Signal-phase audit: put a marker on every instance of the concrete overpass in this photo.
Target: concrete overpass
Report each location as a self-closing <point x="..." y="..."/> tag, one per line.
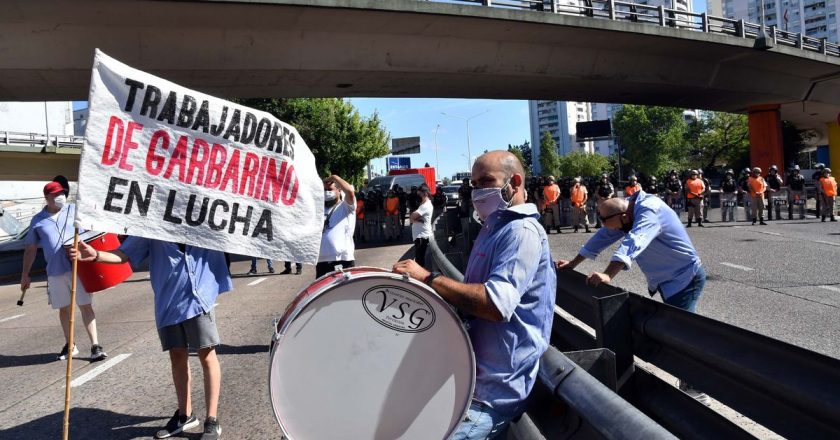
<point x="407" y="48"/>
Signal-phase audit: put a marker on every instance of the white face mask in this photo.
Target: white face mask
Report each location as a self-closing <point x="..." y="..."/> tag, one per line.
<point x="486" y="201"/>
<point x="329" y="196"/>
<point x="60" y="201"/>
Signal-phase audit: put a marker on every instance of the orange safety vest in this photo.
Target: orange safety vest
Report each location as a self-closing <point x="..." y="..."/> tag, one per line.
<point x="694" y="186"/>
<point x="829" y="186"/>
<point x="392" y="206"/>
<point x="551" y="193"/>
<point x="578" y="195"/>
<point x="629" y="190"/>
<point x="757" y="186"/>
<point x="360" y="209"/>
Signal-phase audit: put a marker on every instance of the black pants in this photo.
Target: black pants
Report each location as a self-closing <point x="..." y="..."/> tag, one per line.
<point x="326" y="267"/>
<point x="420" y="246"/>
<point x="288" y="265"/>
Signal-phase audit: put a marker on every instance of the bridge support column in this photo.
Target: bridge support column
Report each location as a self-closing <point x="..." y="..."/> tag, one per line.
<point x="765" y="124"/>
<point x="833" y="147"/>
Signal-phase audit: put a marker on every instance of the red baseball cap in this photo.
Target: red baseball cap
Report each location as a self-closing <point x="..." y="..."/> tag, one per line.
<point x="53" y="188"/>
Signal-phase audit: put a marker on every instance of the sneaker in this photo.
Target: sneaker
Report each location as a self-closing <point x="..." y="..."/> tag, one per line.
<point x="63" y="355"/>
<point x="695" y="394"/>
<point x="212" y="430"/>
<point x="298" y="271"/>
<point x="270" y="270"/>
<point x="253" y="271"/>
<point x="176" y="425"/>
<point x="97" y="353"/>
<point x="286" y="271"/>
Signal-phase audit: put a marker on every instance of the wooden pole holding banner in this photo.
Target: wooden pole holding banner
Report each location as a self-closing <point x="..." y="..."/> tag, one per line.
<point x="70" y="342"/>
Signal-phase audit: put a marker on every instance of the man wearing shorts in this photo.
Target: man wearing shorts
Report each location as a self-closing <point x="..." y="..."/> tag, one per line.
<point x="49" y="229"/>
<point x="186" y="281"/>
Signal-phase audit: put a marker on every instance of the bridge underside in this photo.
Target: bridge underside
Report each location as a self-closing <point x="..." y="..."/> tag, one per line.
<point x="287" y="48"/>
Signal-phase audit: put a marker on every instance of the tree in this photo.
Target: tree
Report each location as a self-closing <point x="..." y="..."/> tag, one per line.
<point x="794" y="141"/>
<point x="342" y="141"/>
<point x="524" y="155"/>
<point x="719" y="139"/>
<point x="651" y="139"/>
<point x="549" y="160"/>
<point x="579" y="163"/>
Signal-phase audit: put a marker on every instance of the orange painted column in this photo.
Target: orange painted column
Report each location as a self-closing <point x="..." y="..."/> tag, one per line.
<point x="765" y="124"/>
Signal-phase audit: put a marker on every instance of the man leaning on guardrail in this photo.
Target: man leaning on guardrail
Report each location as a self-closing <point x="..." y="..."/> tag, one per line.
<point x="652" y="235"/>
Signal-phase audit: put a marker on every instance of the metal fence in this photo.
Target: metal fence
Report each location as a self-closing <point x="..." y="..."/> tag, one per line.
<point x="666" y="17"/>
<point x="38" y="140"/>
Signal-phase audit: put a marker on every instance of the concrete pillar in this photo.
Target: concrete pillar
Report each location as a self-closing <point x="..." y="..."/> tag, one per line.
<point x="765" y="124"/>
<point x="834" y="147"/>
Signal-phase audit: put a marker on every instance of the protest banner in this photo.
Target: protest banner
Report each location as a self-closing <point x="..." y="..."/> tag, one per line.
<point x="165" y="162"/>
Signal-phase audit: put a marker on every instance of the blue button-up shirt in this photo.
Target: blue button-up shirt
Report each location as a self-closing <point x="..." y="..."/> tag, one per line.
<point x="186" y="284"/>
<point x="658" y="242"/>
<point x="512" y="259"/>
<point x="50" y="231"/>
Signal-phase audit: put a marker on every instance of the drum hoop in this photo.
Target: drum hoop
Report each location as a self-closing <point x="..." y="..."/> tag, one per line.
<point x="290" y="315"/>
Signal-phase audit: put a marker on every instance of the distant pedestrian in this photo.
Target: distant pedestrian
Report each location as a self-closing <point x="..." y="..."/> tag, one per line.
<point x="818" y="169"/>
<point x="757" y="189"/>
<point x="632" y="186"/>
<point x="728" y="196"/>
<point x="796" y="193"/>
<point x="421" y="225"/>
<point x="828" y="189"/>
<point x="465" y="211"/>
<point x="551" y="194"/>
<point x="774" y="187"/>
<point x="746" y="193"/>
<point x="707" y="195"/>
<point x="253" y="270"/>
<point x="605" y="191"/>
<point x="579" y="197"/>
<point x="673" y="192"/>
<point x="392" y="216"/>
<point x="287" y="268"/>
<point x="337" y="246"/>
<point x="694" y="193"/>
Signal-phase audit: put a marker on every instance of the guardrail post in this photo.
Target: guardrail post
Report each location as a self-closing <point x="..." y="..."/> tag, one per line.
<point x="487" y="2"/>
<point x="823" y="48"/>
<point x="704" y="22"/>
<point x="553" y="6"/>
<point x="799" y="40"/>
<point x="741" y="29"/>
<point x="611" y="6"/>
<point x="613" y="330"/>
<point x="773" y="33"/>
<point x="661" y="11"/>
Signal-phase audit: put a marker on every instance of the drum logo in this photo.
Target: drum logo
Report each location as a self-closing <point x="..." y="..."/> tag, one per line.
<point x="398" y="309"/>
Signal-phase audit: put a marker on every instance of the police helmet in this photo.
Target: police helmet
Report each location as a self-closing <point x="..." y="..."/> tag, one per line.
<point x="826" y="171"/>
<point x="746" y="171"/>
<point x="756" y="170"/>
<point x="819" y="166"/>
<point x="700" y="171"/>
<point x="653" y="178"/>
<point x="692" y="173"/>
<point x="730" y="171"/>
<point x="551" y="178"/>
<point x="774" y="168"/>
<point x="632" y="178"/>
<point x="796" y="168"/>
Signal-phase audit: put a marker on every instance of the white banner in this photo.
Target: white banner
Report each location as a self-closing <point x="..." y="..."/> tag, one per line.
<point x="165" y="162"/>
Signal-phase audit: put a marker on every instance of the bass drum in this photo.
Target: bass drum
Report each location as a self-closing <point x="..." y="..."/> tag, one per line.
<point x="370" y="354"/>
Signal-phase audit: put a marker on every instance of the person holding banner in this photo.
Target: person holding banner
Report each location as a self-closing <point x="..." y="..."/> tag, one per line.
<point x="337" y="247"/>
<point x="49" y="229"/>
<point x="508" y="290"/>
<point x="186" y="281"/>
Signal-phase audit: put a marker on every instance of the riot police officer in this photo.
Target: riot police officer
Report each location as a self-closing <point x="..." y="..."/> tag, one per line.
<point x="707" y="194"/>
<point x="796" y="193"/>
<point x="605" y="191"/>
<point x="652" y="186"/>
<point x="728" y="197"/>
<point x="744" y="189"/>
<point x="816" y="179"/>
<point x="775" y="199"/>
<point x="565" y="201"/>
<point x="673" y="192"/>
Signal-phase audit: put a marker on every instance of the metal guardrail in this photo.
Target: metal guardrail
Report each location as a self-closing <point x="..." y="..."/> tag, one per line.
<point x="666" y="17"/>
<point x="38" y="140"/>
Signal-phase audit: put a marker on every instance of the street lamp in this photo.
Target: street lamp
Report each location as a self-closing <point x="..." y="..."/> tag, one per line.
<point x="437" y="161"/>
<point x="469" y="151"/>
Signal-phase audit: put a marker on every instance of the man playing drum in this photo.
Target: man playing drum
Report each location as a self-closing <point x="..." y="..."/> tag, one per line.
<point x="508" y="289"/>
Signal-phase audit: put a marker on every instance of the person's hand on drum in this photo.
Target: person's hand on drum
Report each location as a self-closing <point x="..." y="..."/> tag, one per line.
<point x="86" y="252"/>
<point x="411" y="268"/>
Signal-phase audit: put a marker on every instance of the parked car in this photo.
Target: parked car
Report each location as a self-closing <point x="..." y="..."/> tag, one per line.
<point x="451" y="192"/>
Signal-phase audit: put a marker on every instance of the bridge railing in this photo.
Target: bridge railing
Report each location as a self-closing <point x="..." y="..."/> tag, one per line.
<point x="39" y="140"/>
<point x="665" y="17"/>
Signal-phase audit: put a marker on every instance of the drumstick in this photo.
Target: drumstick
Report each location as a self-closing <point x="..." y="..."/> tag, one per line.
<point x="22" y="294"/>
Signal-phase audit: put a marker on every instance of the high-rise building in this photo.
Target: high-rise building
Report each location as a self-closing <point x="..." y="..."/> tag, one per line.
<point x="559" y="118"/>
<point x="813" y="18"/>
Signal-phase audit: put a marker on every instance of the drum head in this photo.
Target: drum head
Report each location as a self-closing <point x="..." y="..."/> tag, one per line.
<point x="371" y="357"/>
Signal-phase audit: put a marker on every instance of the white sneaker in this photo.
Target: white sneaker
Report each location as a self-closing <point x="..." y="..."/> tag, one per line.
<point x="63" y="355"/>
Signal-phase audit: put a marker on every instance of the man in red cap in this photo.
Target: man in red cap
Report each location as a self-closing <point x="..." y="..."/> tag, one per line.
<point x="49" y="229"/>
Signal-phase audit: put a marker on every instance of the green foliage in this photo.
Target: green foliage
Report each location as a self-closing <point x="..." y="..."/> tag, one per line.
<point x="549" y="160"/>
<point x="582" y="164"/>
<point x="652" y="139"/>
<point x="342" y="141"/>
<point x="523" y="152"/>
<point x="447" y="181"/>
<point x="720" y="139"/>
<point x="518" y="153"/>
<point x="794" y="141"/>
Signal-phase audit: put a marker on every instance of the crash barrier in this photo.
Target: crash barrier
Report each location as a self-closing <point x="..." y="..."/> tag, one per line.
<point x="787" y="389"/>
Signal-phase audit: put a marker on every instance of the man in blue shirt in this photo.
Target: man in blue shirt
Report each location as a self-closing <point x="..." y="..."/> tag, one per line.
<point x="186" y="281"/>
<point x="652" y="235"/>
<point x="49" y="229"/>
<point x="509" y="289"/>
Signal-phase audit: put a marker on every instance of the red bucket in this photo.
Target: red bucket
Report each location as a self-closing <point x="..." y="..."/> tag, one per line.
<point x="97" y="277"/>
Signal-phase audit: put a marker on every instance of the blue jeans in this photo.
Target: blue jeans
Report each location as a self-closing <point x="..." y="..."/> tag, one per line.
<point x="686" y="299"/>
<point x="254" y="263"/>
<point x="482" y="422"/>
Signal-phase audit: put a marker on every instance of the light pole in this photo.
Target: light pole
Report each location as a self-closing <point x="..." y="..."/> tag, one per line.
<point x="437" y="161"/>
<point x="469" y="151"/>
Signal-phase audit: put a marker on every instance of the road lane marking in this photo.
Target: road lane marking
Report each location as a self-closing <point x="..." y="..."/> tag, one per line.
<point x="769" y="233"/>
<point x="257" y="281"/>
<point x="81" y="380"/>
<point x="12" y="317"/>
<point x="827" y="242"/>
<point x="738" y="266"/>
<point x="831" y="288"/>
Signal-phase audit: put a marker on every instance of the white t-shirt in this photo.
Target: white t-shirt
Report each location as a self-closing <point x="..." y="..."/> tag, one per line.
<point x="424" y="229"/>
<point x="337" y="238"/>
